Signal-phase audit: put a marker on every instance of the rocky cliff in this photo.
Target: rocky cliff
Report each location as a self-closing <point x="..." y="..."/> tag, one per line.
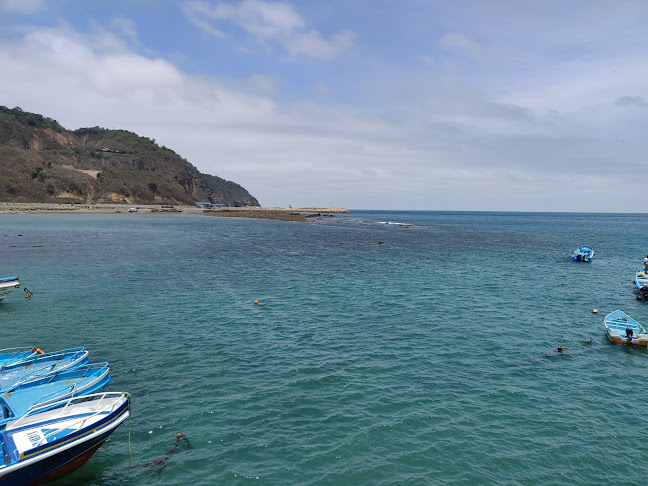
<point x="40" y="161"/>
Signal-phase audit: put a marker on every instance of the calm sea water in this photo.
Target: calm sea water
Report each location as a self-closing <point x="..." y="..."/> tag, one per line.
<point x="428" y="358"/>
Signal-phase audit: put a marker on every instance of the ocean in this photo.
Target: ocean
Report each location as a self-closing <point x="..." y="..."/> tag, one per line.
<point x="378" y="354"/>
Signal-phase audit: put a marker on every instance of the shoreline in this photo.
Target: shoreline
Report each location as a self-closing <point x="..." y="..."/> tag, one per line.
<point x="300" y="214"/>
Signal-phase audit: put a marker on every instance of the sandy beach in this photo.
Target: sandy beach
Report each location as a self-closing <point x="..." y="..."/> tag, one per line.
<point x="301" y="214"/>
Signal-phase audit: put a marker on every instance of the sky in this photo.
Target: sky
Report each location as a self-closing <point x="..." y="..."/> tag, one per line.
<point x="365" y="104"/>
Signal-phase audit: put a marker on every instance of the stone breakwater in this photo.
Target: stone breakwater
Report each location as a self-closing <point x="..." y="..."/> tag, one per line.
<point x="301" y="214"/>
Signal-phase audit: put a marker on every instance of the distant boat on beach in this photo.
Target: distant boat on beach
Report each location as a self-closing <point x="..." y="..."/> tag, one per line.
<point x="583" y="253"/>
<point x="132" y="210"/>
<point x="8" y="285"/>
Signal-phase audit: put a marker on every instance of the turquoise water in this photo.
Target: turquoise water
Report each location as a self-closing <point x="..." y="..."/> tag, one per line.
<point x="427" y="359"/>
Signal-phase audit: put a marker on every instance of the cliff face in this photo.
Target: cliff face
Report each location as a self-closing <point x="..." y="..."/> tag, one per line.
<point x="40" y="161"/>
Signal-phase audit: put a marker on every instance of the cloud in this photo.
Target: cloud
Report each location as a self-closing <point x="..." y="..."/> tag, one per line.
<point x="427" y="60"/>
<point x="261" y="19"/>
<point x="254" y="84"/>
<point x="636" y="101"/>
<point x="461" y="43"/>
<point x="439" y="142"/>
<point x="312" y="44"/>
<point x="22" y="6"/>
<point x="321" y="89"/>
<point x="126" y="27"/>
<point x="197" y="12"/>
<point x="268" y="21"/>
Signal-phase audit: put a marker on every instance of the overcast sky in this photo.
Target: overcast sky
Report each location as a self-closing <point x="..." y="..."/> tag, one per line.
<point x="366" y="104"/>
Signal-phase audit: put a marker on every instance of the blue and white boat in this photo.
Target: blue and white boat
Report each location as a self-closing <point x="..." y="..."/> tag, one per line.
<point x="8" y="285"/>
<point x="46" y="444"/>
<point x="13" y="354"/>
<point x="623" y="329"/>
<point x="35" y="365"/>
<point x="46" y="390"/>
<point x="641" y="281"/>
<point x="584" y="253"/>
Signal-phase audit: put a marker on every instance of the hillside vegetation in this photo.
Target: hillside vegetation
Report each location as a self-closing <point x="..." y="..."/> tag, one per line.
<point x="40" y="161"/>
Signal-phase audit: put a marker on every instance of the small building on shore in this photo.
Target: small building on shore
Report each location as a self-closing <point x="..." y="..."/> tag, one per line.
<point x="211" y="205"/>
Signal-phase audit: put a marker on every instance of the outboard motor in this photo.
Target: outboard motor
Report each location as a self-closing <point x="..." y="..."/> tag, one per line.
<point x="629" y="333"/>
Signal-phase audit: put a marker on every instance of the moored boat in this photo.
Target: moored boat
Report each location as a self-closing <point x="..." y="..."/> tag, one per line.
<point x="584" y="253"/>
<point x="46" y="390"/>
<point x="39" y="364"/>
<point x="641" y="281"/>
<point x="44" y="445"/>
<point x="12" y="354"/>
<point x="623" y="329"/>
<point x="8" y="285"/>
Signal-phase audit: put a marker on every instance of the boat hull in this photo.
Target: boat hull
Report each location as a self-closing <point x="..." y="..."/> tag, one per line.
<point x="641" y="342"/>
<point x="8" y="285"/>
<point x="55" y="466"/>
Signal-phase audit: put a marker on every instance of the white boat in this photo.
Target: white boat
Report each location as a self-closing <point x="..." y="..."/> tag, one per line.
<point x="8" y="285"/>
<point x="132" y="210"/>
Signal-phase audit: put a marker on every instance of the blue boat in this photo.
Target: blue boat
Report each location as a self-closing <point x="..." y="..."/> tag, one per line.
<point x="46" y="390"/>
<point x="584" y="253"/>
<point x="641" y="280"/>
<point x="34" y="365"/>
<point x="14" y="354"/>
<point x="623" y="329"/>
<point x="44" y="445"/>
<point x="8" y="285"/>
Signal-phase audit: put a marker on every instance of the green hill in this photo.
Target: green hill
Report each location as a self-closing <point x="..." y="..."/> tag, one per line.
<point x="40" y="161"/>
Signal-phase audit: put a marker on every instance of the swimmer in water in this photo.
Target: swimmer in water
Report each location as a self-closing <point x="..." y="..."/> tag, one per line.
<point x="159" y="463"/>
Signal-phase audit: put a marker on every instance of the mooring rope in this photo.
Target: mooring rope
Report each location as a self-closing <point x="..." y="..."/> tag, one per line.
<point x="130" y="452"/>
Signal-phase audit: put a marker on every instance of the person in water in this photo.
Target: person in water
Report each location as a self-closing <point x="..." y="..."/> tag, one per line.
<point x="159" y="463"/>
<point x="560" y="350"/>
